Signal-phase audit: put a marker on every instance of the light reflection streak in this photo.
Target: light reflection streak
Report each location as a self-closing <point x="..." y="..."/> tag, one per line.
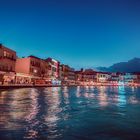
<point x="78" y="89"/>
<point x="133" y="89"/>
<point x="87" y="88"/>
<point x="66" y="95"/>
<point x="92" y="88"/>
<point x="102" y="97"/>
<point x="31" y="131"/>
<point x="3" y="95"/>
<point x="4" y="112"/>
<point x="89" y="92"/>
<point x="65" y="89"/>
<point x="113" y="96"/>
<point x="121" y="96"/>
<point x="51" y="118"/>
<point x="33" y="105"/>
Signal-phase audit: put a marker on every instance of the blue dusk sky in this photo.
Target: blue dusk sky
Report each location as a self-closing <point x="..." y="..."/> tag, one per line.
<point x="80" y="33"/>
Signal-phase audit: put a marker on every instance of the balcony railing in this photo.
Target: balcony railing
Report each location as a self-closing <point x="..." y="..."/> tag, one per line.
<point x="6" y="70"/>
<point x="10" y="58"/>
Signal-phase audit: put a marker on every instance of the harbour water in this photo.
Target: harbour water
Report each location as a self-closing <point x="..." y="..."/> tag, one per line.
<point x="70" y="113"/>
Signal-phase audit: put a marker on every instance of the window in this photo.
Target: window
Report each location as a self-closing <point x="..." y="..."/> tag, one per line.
<point x="11" y="68"/>
<point x="5" y="53"/>
<point x="12" y="56"/>
<point x="54" y="69"/>
<point x="31" y="70"/>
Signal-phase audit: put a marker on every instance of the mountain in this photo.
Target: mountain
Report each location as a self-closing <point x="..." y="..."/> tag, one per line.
<point x="132" y="65"/>
<point x="103" y="69"/>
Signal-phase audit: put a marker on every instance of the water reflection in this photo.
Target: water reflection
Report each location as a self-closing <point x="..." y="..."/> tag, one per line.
<point x="65" y="93"/>
<point x="53" y="110"/>
<point x="13" y="109"/>
<point x="102" y="97"/>
<point x="78" y="92"/>
<point x="56" y="113"/>
<point x="31" y="120"/>
<point x="34" y="106"/>
<point x="121" y="96"/>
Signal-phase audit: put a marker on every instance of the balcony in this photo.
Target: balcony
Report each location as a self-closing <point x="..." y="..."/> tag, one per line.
<point x="6" y="57"/>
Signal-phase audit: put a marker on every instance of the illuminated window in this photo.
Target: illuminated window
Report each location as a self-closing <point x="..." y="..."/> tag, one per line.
<point x="5" y="53"/>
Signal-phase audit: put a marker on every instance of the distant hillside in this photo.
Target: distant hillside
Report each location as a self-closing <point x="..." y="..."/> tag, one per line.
<point x="103" y="69"/>
<point x="132" y="65"/>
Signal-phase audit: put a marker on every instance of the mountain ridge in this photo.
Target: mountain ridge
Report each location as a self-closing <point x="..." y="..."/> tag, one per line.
<point x="132" y="65"/>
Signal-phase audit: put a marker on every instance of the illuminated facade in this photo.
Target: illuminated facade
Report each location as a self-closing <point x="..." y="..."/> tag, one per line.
<point x="68" y="75"/>
<point x="29" y="69"/>
<point x="89" y="75"/>
<point x="115" y="78"/>
<point x="103" y="77"/>
<point x="65" y="71"/>
<point x="128" y="77"/>
<point x="86" y="77"/>
<point x="53" y="70"/>
<point x="137" y="76"/>
<point x="79" y="76"/>
<point x="32" y="70"/>
<point x="61" y="73"/>
<point x="71" y="76"/>
<point x="7" y="65"/>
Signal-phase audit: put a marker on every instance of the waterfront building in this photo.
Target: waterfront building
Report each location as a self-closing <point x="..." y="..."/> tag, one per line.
<point x="68" y="74"/>
<point x="7" y="65"/>
<point x="30" y="70"/>
<point x="103" y="77"/>
<point x="128" y="78"/>
<point x="71" y="76"/>
<point x="89" y="76"/>
<point x="61" y="72"/>
<point x="137" y="76"/>
<point x="44" y="71"/>
<point x="79" y="77"/>
<point x="115" y="77"/>
<point x="65" y="71"/>
<point x="53" y="70"/>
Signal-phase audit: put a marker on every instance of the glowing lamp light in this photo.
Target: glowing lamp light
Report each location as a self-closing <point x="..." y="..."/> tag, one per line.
<point x="35" y="71"/>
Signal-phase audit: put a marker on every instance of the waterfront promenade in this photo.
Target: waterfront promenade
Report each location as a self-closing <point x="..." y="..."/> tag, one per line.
<point x="32" y="71"/>
<point x="50" y="85"/>
<point x="25" y="86"/>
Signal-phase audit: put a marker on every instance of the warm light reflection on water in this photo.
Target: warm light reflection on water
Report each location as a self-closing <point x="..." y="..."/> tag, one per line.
<point x="70" y="113"/>
<point x="51" y="118"/>
<point x="121" y="96"/>
<point x="102" y="97"/>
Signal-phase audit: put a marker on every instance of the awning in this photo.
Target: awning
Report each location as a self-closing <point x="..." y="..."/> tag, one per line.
<point x="9" y="74"/>
<point x="2" y="72"/>
<point x="23" y="75"/>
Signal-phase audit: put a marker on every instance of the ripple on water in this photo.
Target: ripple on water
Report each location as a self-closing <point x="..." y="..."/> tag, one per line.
<point x="70" y="113"/>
